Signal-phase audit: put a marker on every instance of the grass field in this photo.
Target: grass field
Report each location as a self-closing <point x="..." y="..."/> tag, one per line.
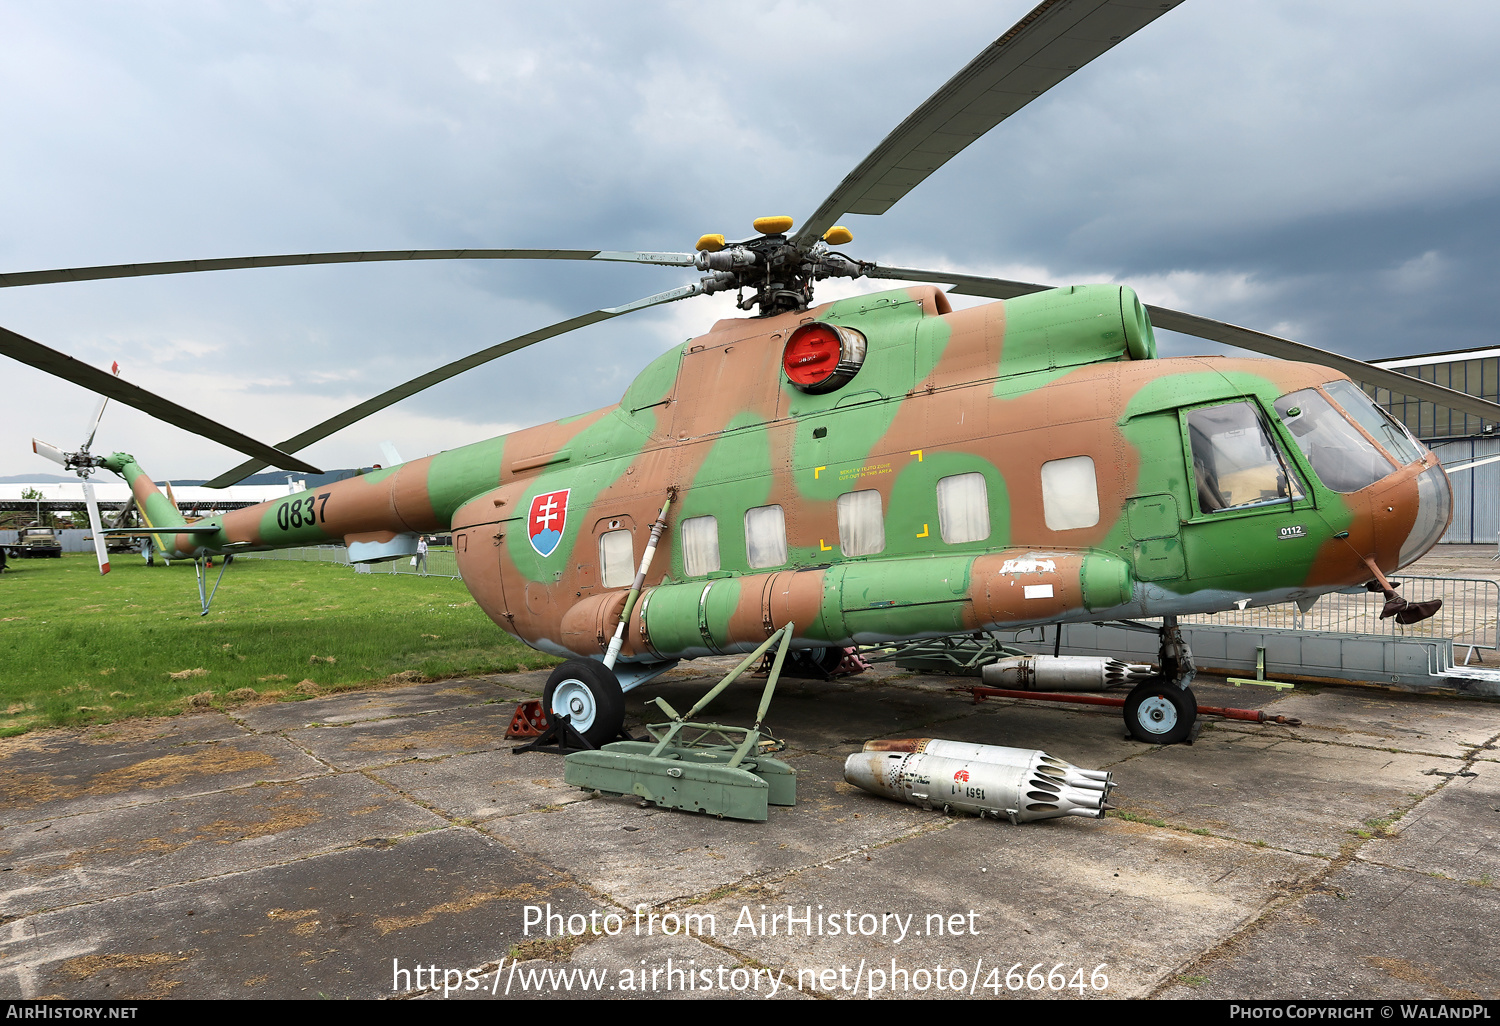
<point x="79" y="648"/>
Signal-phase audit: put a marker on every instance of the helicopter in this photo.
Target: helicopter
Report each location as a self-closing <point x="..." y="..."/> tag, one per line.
<point x="877" y="468"/>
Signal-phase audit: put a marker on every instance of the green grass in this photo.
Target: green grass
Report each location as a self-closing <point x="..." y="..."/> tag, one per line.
<point x="78" y="648"/>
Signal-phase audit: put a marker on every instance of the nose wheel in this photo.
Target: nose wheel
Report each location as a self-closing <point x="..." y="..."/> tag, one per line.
<point x="1162" y="711"/>
<point x="1159" y="712"/>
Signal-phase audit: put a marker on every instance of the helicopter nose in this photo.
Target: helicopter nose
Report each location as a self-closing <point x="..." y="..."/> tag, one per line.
<point x="1434" y="510"/>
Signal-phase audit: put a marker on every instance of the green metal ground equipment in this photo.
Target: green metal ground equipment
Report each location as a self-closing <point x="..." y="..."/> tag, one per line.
<point x="704" y="767"/>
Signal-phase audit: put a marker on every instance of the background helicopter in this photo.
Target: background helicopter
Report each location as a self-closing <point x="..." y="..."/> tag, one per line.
<point x="892" y="184"/>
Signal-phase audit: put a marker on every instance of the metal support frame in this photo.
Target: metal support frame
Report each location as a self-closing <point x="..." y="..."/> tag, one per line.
<point x="207" y="597"/>
<point x="665" y="734"/>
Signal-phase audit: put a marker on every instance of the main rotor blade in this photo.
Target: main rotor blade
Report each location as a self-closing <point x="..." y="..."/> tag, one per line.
<point x="16" y="278"/>
<point x="34" y="354"/>
<point x="1229" y="334"/>
<point x="443" y="373"/>
<point x="1286" y="349"/>
<point x="1056" y="39"/>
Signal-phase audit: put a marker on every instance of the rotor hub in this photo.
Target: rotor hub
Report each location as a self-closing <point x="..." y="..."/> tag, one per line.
<point x="778" y="272"/>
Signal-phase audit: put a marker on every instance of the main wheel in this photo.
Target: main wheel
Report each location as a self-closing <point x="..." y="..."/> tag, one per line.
<point x="589" y="694"/>
<point x="1160" y="713"/>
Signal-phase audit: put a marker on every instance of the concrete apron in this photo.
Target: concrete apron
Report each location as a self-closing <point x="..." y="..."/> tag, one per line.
<point x="336" y="847"/>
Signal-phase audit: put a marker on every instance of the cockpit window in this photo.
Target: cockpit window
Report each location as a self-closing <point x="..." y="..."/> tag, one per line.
<point x="1234" y="464"/>
<point x="1382" y="426"/>
<point x="1340" y="455"/>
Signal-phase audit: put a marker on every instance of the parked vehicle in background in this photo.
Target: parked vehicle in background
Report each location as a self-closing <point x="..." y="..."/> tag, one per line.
<point x="35" y="543"/>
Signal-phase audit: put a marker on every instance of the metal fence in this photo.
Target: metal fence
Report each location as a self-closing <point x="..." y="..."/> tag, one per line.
<point x="1470" y="615"/>
<point x="440" y="562"/>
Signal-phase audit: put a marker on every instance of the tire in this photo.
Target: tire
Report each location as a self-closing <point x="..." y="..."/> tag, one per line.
<point x="1160" y="713"/>
<point x="588" y="693"/>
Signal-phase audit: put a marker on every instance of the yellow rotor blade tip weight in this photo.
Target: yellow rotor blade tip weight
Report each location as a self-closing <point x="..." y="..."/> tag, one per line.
<point x="838" y="235"/>
<point x="710" y="244"/>
<point x="772" y="225"/>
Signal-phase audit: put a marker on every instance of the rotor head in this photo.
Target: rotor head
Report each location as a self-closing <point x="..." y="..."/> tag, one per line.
<point x="779" y="270"/>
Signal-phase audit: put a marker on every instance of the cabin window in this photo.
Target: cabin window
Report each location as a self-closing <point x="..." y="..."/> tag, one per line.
<point x="1234" y="463"/>
<point x="1070" y="493"/>
<point x="963" y="508"/>
<point x="765" y="536"/>
<point x="700" y="545"/>
<point x="616" y="559"/>
<point x="861" y="524"/>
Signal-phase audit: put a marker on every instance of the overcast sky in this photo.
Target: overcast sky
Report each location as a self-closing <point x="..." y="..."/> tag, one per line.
<point x="1329" y="172"/>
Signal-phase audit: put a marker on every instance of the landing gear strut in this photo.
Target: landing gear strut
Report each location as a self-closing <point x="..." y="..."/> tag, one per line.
<point x="1162" y="711"/>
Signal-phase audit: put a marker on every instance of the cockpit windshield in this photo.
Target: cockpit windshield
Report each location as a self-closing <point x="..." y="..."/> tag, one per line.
<point x="1384" y="428"/>
<point x="1343" y="458"/>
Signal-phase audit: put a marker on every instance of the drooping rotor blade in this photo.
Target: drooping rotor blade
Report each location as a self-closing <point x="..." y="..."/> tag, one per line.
<point x="101" y="552"/>
<point x="962" y="284"/>
<point x="1459" y="468"/>
<point x="1286" y="349"/>
<point x="1056" y="39"/>
<point x="443" y="373"/>
<point x="16" y="278"/>
<point x="1229" y="334"/>
<point x="34" y="354"/>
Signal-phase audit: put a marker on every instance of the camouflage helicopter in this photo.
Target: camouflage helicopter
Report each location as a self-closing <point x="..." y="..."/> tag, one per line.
<point x="874" y="469"/>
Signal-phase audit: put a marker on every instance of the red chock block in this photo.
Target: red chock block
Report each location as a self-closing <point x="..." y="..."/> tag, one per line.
<point x="530" y="720"/>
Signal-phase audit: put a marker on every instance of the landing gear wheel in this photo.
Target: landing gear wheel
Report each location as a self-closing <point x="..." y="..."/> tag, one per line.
<point x="1160" y="713"/>
<point x="589" y="694"/>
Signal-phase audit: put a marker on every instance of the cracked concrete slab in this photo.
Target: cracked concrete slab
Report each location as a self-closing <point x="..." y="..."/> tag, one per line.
<point x="97" y="780"/>
<point x="1229" y="782"/>
<point x="96" y="856"/>
<point x="39" y="749"/>
<point x="359" y="706"/>
<point x="349" y="747"/>
<point x="627" y="966"/>
<point x="1365" y="931"/>
<point x="651" y="855"/>
<point x="311" y="882"/>
<point x="1454" y="832"/>
<point x="1451" y="727"/>
<point x="484" y="785"/>
<point x="328" y="926"/>
<point x="983" y="896"/>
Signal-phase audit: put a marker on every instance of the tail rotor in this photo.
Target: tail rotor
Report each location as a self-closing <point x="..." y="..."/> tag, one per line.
<point x="83" y="464"/>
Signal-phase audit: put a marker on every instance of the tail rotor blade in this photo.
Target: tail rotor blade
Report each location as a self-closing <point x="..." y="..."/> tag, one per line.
<point x="98" y="416"/>
<point x="99" y="413"/>
<point x="52" y="452"/>
<point x="100" y="550"/>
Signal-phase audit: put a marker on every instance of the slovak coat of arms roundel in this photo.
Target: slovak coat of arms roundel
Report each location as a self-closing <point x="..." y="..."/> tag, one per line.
<point x="545" y="522"/>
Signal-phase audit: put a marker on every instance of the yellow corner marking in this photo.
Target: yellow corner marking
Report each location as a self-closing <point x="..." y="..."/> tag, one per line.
<point x="817" y="471"/>
<point x="824" y="548"/>
<point x="918" y="454"/>
<point x="924" y="532"/>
